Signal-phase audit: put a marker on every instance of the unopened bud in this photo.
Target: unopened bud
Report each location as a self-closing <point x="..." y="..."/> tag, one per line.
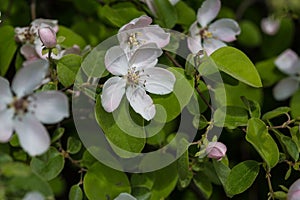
<point x="48" y="37"/>
<point x="216" y="150"/>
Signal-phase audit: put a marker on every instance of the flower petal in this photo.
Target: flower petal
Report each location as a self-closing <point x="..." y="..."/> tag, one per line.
<point x="211" y="45"/>
<point x="125" y="196"/>
<point x="45" y="23"/>
<point x="6" y="128"/>
<point x="116" y="61"/>
<point x="28" y="51"/>
<point x="49" y="107"/>
<point x="270" y="25"/>
<point x="285" y="88"/>
<point x="30" y="77"/>
<point x="157" y="35"/>
<point x="33" y="136"/>
<point x="174" y="2"/>
<point x="208" y="11"/>
<point x="194" y="44"/>
<point x="112" y="93"/>
<point x="225" y="29"/>
<point x="157" y="80"/>
<point x="145" y="56"/>
<point x="6" y="96"/>
<point x="288" y="62"/>
<point x="294" y="191"/>
<point x="141" y="102"/>
<point x="34" y="196"/>
<point x="140" y="22"/>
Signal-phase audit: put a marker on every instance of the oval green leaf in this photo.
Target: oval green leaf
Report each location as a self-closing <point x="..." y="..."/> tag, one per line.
<point x="67" y="68"/>
<point x="75" y="193"/>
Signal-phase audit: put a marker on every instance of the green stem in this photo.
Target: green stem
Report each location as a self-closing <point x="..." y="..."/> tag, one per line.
<point x="268" y="176"/>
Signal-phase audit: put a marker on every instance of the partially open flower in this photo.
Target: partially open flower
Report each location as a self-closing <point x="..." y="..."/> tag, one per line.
<point x="294" y="191"/>
<point x="48" y="37"/>
<point x="216" y="150"/>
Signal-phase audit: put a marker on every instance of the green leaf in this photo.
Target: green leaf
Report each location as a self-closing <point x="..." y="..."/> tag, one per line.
<point x="234" y="117"/>
<point x="186" y="15"/>
<point x="48" y="165"/>
<point x="72" y="38"/>
<point x="250" y="34"/>
<point x="291" y="147"/>
<point x="295" y="133"/>
<point x="203" y="184"/>
<point x="242" y="177"/>
<point x="253" y="107"/>
<point x="58" y="133"/>
<point x="295" y="105"/>
<point x="276" y="112"/>
<point x="88" y="7"/>
<point x="102" y="182"/>
<point x="235" y="63"/>
<point x="258" y="136"/>
<point x="8" y="48"/>
<point x="16" y="169"/>
<point x="67" y="68"/>
<point x="166" y="13"/>
<point x="73" y="145"/>
<point x="184" y="173"/>
<point x="222" y="171"/>
<point x="75" y="193"/>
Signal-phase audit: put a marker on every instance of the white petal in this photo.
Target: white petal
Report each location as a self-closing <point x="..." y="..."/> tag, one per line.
<point x="125" y="196"/>
<point x="194" y="44"/>
<point x="225" y="29"/>
<point x="145" y="56"/>
<point x="174" y="2"/>
<point x="34" y="196"/>
<point x="270" y="25"/>
<point x="140" y="22"/>
<point x="211" y="45"/>
<point x="285" y="88"/>
<point x="157" y="35"/>
<point x="6" y="127"/>
<point x="30" y="77"/>
<point x="28" y="51"/>
<point x="6" y="96"/>
<point x="112" y="93"/>
<point x="49" y="107"/>
<point x="208" y="11"/>
<point x="141" y="102"/>
<point x="288" y="62"/>
<point x="158" y="80"/>
<point x="116" y="61"/>
<point x="194" y="29"/>
<point x="33" y="136"/>
<point x="294" y="191"/>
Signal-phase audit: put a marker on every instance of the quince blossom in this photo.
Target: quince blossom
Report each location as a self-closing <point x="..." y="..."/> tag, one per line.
<point x="294" y="191"/>
<point x="133" y="77"/>
<point x="210" y="37"/>
<point x="216" y="150"/>
<point x="23" y="111"/>
<point x="289" y="63"/>
<point x="139" y="32"/>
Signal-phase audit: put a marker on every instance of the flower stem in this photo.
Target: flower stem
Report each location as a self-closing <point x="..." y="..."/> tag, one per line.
<point x="268" y="176"/>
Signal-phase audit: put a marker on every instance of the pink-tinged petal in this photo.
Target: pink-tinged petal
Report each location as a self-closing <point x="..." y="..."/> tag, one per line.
<point x="140" y="22"/>
<point x="33" y="136"/>
<point x="112" y="93"/>
<point x="28" y="51"/>
<point x="145" y="56"/>
<point x="48" y="37"/>
<point x="285" y="88"/>
<point x="49" y="107"/>
<point x="33" y="196"/>
<point x="270" y="25"/>
<point x="216" y="150"/>
<point x="194" y="44"/>
<point x="208" y="11"/>
<point x="30" y="77"/>
<point x="157" y="80"/>
<point x="6" y="127"/>
<point x="45" y="23"/>
<point x="211" y="45"/>
<point x="194" y="29"/>
<point x="294" y="191"/>
<point x="141" y="102"/>
<point x="6" y="96"/>
<point x="157" y="35"/>
<point x="288" y="62"/>
<point x="225" y="29"/>
<point x="116" y="61"/>
<point x="125" y="196"/>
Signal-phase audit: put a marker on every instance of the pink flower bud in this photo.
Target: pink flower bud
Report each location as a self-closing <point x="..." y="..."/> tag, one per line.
<point x="294" y="191"/>
<point x="216" y="150"/>
<point x="48" y="37"/>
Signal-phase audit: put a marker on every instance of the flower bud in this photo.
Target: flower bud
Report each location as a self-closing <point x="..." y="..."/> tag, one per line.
<point x="48" y="37"/>
<point x="270" y="25"/>
<point x="294" y="191"/>
<point x="216" y="150"/>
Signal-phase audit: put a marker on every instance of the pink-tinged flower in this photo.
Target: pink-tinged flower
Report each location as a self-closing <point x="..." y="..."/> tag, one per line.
<point x="294" y="191"/>
<point x="125" y="196"/>
<point x="139" y="32"/>
<point x="216" y="150"/>
<point x="151" y="6"/>
<point x="133" y="77"/>
<point x="48" y="37"/>
<point x="210" y="37"/>
<point x="270" y="25"/>
<point x="22" y="111"/>
<point x="289" y="63"/>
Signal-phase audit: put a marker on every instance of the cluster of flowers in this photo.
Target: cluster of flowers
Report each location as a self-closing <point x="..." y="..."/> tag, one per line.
<point x="133" y="64"/>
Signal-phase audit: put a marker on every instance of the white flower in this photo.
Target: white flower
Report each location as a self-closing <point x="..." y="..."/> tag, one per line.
<point x="270" y="25"/>
<point x="34" y="196"/>
<point x="22" y="111"/>
<point x="211" y="37"/>
<point x="289" y="63"/>
<point x="139" y="32"/>
<point x="294" y="191"/>
<point x="125" y="196"/>
<point x="151" y="6"/>
<point x="134" y="76"/>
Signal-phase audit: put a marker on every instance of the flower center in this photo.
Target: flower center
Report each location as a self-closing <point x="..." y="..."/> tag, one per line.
<point x="205" y="34"/>
<point x="20" y="105"/>
<point x="133" y="41"/>
<point x="132" y="76"/>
